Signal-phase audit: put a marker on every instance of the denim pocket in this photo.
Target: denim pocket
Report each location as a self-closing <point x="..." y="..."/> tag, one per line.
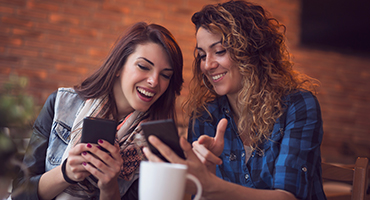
<point x="58" y="142"/>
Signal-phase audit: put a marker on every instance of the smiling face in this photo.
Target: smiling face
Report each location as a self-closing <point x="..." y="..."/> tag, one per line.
<point x="217" y="65"/>
<point x="143" y="79"/>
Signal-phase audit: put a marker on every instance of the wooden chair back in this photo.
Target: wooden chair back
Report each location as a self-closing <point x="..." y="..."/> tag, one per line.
<point x="356" y="175"/>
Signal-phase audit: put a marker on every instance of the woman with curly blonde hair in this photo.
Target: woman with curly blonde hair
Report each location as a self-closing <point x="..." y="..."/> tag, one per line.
<point x="269" y="145"/>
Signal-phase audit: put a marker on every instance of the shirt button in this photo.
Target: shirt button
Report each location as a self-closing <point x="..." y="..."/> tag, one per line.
<point x="227" y="111"/>
<point x="304" y="169"/>
<point x="246" y="176"/>
<point x="232" y="157"/>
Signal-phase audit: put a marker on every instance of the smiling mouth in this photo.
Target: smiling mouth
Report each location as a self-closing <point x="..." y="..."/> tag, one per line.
<point x="218" y="76"/>
<point x="145" y="93"/>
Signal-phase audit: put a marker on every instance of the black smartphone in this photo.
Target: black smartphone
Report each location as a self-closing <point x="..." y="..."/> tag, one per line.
<point x="94" y="129"/>
<point x="166" y="131"/>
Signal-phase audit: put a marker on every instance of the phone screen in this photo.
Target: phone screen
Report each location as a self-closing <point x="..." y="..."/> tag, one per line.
<point x="94" y="129"/>
<point x="166" y="131"/>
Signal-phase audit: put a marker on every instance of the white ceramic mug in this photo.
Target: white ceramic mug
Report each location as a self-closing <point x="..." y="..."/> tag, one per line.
<point x="164" y="181"/>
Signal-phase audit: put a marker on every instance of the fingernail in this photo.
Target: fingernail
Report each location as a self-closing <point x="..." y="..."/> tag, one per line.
<point x="89" y="145"/>
<point x="84" y="153"/>
<point x="152" y="139"/>
<point x="100" y="141"/>
<point x="84" y="164"/>
<point x="99" y="147"/>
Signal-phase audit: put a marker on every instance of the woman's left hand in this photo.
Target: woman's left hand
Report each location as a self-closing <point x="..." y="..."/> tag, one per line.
<point x="195" y="166"/>
<point x="104" y="166"/>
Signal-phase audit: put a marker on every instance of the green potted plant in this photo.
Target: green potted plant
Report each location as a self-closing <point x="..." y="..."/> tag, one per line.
<point x="8" y="169"/>
<point x="17" y="110"/>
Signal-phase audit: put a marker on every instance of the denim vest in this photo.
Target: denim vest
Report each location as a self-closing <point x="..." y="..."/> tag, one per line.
<point x="67" y="103"/>
<point x="67" y="107"/>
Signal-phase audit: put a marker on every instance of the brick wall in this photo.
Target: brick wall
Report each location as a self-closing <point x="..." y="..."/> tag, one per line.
<point x="60" y="42"/>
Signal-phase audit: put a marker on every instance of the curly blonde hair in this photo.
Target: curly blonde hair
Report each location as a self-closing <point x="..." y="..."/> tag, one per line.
<point x="256" y="42"/>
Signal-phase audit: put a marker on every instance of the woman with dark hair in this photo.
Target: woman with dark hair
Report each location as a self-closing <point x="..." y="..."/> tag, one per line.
<point x="139" y="80"/>
<point x="255" y="123"/>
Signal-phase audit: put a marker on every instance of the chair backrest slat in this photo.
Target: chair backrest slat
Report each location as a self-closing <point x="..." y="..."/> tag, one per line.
<point x="360" y="179"/>
<point x="357" y="176"/>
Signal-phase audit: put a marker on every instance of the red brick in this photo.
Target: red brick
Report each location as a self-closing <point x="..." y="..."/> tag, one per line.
<point x="23" y="52"/>
<point x="27" y="33"/>
<point x="110" y="36"/>
<point x="55" y="56"/>
<point x="5" y="40"/>
<point x="5" y="30"/>
<point x="71" y="68"/>
<point x="48" y="27"/>
<point x="66" y="39"/>
<point x="86" y="4"/>
<point x="156" y="6"/>
<point x="178" y="19"/>
<point x="83" y="32"/>
<point x="169" y="2"/>
<point x="9" y="59"/>
<point x="65" y="79"/>
<point x="39" y="74"/>
<point x="98" y="53"/>
<point x="198" y="5"/>
<point x="73" y="49"/>
<point x="14" y="2"/>
<point x="184" y="11"/>
<point x="129" y="4"/>
<point x="63" y="19"/>
<point x="5" y="9"/>
<point x="44" y="46"/>
<point x="104" y="26"/>
<point x="4" y="71"/>
<point x="45" y="6"/>
<point x="94" y="63"/>
<point x="150" y="15"/>
<point x="77" y="11"/>
<point x="16" y="21"/>
<point x="32" y="14"/>
<point x="93" y="43"/>
<point x="107" y="16"/>
<point x="38" y="63"/>
<point x="114" y="8"/>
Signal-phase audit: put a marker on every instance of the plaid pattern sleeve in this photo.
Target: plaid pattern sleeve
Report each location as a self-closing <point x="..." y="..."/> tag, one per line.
<point x="290" y="160"/>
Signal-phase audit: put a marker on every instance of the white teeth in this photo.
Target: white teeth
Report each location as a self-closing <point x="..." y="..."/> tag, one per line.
<point x="218" y="76"/>
<point x="146" y="93"/>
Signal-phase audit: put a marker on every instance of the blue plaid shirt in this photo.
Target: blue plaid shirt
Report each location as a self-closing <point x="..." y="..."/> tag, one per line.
<point x="290" y="160"/>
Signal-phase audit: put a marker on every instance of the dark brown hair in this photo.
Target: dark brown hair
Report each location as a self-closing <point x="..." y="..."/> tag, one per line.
<point x="101" y="82"/>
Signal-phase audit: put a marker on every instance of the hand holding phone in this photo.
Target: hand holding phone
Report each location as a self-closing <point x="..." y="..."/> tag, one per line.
<point x="166" y="131"/>
<point x="94" y="129"/>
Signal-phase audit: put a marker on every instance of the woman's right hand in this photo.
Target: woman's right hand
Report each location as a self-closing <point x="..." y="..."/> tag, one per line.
<point x="74" y="166"/>
<point x="208" y="149"/>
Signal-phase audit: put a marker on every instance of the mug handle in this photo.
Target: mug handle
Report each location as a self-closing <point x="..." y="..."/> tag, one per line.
<point x="197" y="183"/>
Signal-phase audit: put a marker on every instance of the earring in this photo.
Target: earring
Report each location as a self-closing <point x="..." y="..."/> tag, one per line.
<point x="204" y="82"/>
